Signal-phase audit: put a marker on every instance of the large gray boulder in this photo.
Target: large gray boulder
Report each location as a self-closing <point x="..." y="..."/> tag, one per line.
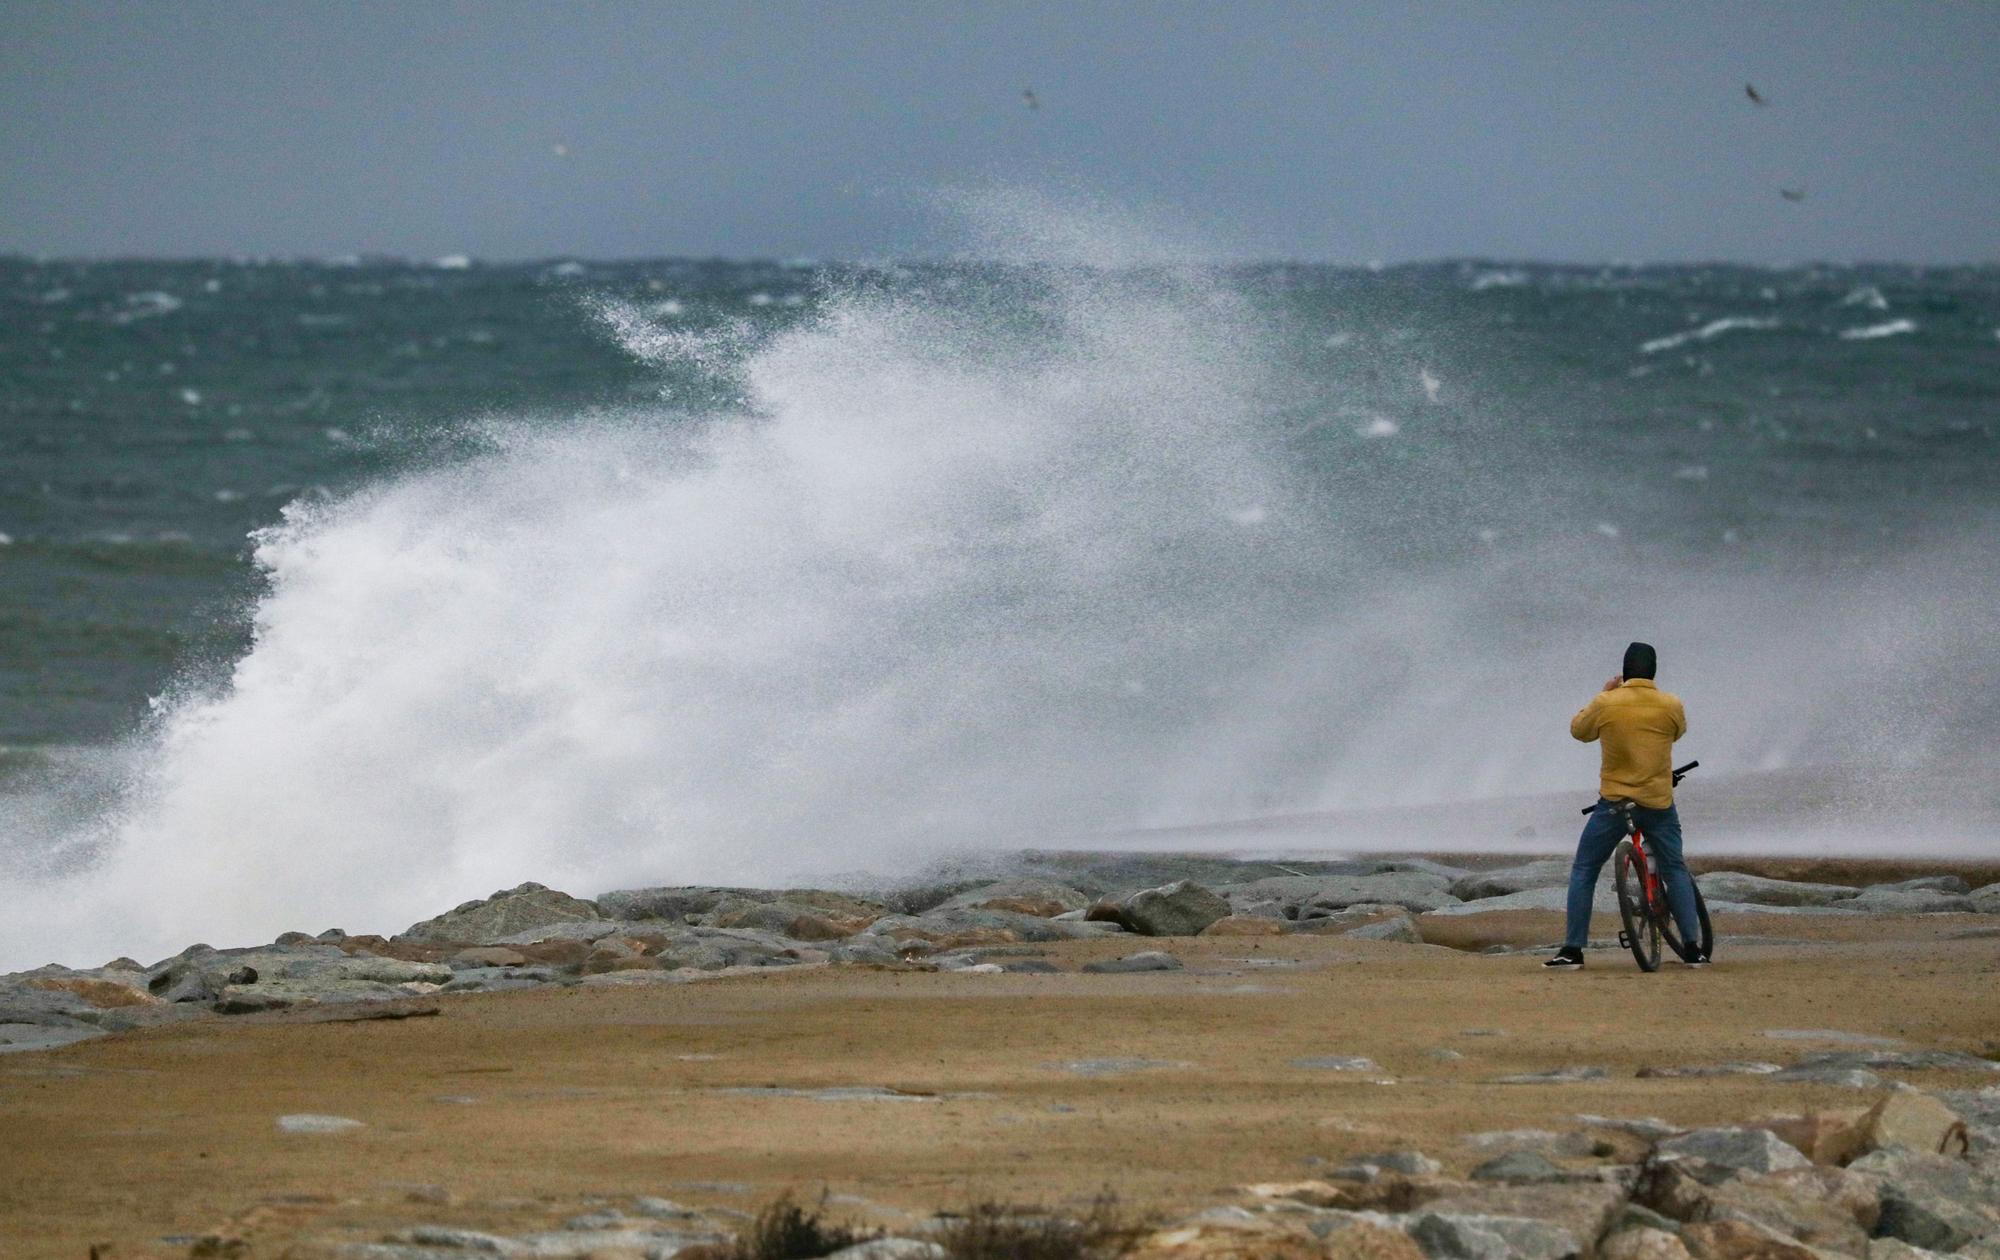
<point x="1045" y="898"/>
<point x="1987" y="900"/>
<point x="1302" y="895"/>
<point x="1457" y="1236"/>
<point x="1734" y="886"/>
<point x="976" y="927"/>
<point x="1604" y="900"/>
<point x="1934" y="1201"/>
<point x="1182" y="908"/>
<point x="1886" y="900"/>
<point x="1541" y="873"/>
<point x="1745" y="1150"/>
<point x="674" y="904"/>
<point x="242" y="980"/>
<point x="1952" y="884"/>
<point x="506" y="913"/>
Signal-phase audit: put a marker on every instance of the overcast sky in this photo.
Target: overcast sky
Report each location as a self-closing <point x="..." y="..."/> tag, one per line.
<point x="1339" y="131"/>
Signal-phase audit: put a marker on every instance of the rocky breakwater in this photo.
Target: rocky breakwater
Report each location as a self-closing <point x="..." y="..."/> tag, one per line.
<point x="1911" y="1175"/>
<point x="532" y="935"/>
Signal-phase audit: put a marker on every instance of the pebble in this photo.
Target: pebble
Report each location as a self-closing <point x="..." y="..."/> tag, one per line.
<point x="1338" y="1064"/>
<point x="1151" y="960"/>
<point x="1111" y="1067"/>
<point x="307" y="1123"/>
<point x="1554" y="1076"/>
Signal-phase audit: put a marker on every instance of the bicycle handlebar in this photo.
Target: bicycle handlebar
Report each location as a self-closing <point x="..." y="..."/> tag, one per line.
<point x="1680" y="772"/>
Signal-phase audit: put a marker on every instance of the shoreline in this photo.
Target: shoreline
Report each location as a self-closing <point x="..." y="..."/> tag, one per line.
<point x="1223" y="1085"/>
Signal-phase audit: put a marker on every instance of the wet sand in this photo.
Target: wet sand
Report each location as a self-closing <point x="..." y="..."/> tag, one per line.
<point x="508" y="1111"/>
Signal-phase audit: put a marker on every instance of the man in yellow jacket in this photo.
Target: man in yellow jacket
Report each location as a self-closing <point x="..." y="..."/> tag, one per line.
<point x="1636" y="723"/>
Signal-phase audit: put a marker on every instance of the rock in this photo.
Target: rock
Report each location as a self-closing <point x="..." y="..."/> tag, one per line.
<point x="308" y="1123"/>
<point x="1408" y="1163"/>
<point x="1362" y="1240"/>
<point x="272" y="978"/>
<point x="1736" y="1067"/>
<point x="891" y="1249"/>
<point x="1461" y="1237"/>
<point x="1401" y="928"/>
<point x="1308" y="896"/>
<point x="1152" y="960"/>
<point x="98" y="992"/>
<point x="1538" y="1141"/>
<point x="1953" y="884"/>
<point x="18" y="1038"/>
<point x="1582" y="1209"/>
<point x="1900" y="1060"/>
<point x="1554" y="1076"/>
<point x="1909" y="1121"/>
<point x="1337" y="1064"/>
<point x="794" y="921"/>
<point x="1642" y="1244"/>
<point x="487" y="956"/>
<point x="1543" y="873"/>
<point x="1604" y="900"/>
<point x="1228" y="1240"/>
<point x="1245" y="925"/>
<point x="1935" y="1201"/>
<point x="1831" y="1034"/>
<point x="1986" y="900"/>
<point x="1652" y="1128"/>
<point x="1745" y="1150"/>
<point x="1111" y="1067"/>
<point x="676" y="905"/>
<point x="456" y="1240"/>
<point x="1820" y="1207"/>
<point x="1732" y="886"/>
<point x="1910" y="901"/>
<point x="1182" y="908"/>
<point x="1825" y="1137"/>
<point x="959" y="928"/>
<point x="1520" y="1166"/>
<point x="1842" y="1078"/>
<point x="1737" y="1240"/>
<point x="1044" y="898"/>
<point x="504" y="914"/>
<point x="1894" y="1249"/>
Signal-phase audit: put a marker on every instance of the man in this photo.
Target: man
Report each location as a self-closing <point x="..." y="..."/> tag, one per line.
<point x="1637" y="724"/>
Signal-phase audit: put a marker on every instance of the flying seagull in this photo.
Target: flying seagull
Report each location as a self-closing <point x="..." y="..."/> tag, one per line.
<point x="1029" y="98"/>
<point x="1752" y="93"/>
<point x="1792" y="194"/>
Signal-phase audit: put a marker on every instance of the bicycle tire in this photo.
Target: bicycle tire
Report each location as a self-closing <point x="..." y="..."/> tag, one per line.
<point x="1672" y="930"/>
<point x="1642" y="930"/>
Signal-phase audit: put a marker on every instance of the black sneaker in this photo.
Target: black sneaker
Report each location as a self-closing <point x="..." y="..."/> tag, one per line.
<point x="1696" y="960"/>
<point x="1566" y="959"/>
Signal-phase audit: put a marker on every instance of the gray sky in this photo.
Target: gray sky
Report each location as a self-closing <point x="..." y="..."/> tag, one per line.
<point x="1339" y="131"/>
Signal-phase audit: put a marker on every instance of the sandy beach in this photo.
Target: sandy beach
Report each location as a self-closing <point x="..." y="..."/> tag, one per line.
<point x="514" y="1111"/>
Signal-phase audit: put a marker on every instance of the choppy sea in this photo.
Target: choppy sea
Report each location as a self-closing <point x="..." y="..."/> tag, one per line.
<point x="472" y="572"/>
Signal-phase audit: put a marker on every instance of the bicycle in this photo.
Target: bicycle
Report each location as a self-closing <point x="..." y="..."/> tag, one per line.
<point x="1642" y="897"/>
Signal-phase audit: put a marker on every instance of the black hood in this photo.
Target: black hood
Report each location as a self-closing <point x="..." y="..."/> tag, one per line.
<point x="1641" y="661"/>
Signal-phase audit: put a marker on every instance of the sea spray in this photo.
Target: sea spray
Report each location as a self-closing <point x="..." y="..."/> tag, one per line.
<point x="983" y="554"/>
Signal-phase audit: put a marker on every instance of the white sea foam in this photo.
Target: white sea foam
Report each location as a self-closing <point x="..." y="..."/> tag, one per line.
<point x="1872" y="332"/>
<point x="453" y="262"/>
<point x="1867" y="296"/>
<point x="1707" y="332"/>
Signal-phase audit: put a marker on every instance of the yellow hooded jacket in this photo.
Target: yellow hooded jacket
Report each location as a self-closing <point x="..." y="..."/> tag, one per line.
<point x="1638" y="724"/>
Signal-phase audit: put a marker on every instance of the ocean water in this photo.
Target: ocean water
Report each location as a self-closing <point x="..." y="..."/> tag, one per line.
<point x="334" y="593"/>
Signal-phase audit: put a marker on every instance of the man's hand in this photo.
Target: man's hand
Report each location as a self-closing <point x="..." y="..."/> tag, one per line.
<point x="1617" y="681"/>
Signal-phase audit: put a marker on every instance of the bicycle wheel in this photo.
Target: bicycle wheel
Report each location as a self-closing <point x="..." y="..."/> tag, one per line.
<point x="1672" y="930"/>
<point x="1642" y="932"/>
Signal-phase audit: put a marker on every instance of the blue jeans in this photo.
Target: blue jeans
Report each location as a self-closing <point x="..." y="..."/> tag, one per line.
<point x="1601" y="834"/>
